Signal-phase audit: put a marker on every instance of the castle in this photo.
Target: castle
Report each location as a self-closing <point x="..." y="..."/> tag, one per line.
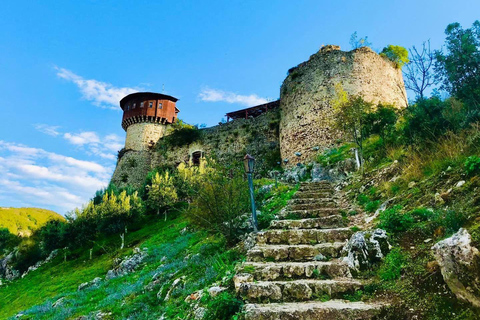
<point x="292" y="130"/>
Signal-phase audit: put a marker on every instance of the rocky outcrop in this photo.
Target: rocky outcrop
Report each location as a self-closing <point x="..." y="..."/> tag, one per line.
<point x="6" y="270"/>
<point x="459" y="263"/>
<point x="91" y="284"/>
<point x="127" y="265"/>
<point x="37" y="265"/>
<point x="364" y="249"/>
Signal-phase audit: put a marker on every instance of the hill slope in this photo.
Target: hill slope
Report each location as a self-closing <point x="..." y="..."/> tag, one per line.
<point x="22" y="221"/>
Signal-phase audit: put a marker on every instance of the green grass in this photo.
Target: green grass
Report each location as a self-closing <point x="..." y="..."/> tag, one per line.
<point x="23" y="221"/>
<point x="201" y="258"/>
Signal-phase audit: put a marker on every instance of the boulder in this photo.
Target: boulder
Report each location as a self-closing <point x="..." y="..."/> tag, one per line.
<point x="365" y="249"/>
<point x="459" y="263"/>
<point x="94" y="283"/>
<point x="216" y="290"/>
<point x="6" y="270"/>
<point x="295" y="174"/>
<point x="128" y="264"/>
<point x="199" y="313"/>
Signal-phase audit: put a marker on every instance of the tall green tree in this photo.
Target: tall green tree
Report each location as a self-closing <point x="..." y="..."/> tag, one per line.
<point x="162" y="193"/>
<point x="350" y="115"/>
<point x="458" y="66"/>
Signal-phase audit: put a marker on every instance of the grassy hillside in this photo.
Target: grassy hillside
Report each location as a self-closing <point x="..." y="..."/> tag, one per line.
<point x="23" y="221"/>
<point x="173" y="252"/>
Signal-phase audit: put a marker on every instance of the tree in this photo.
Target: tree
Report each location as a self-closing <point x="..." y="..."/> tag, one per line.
<point x="356" y="43"/>
<point x="350" y="114"/>
<point x="220" y="200"/>
<point x="382" y="121"/>
<point x="396" y="54"/>
<point x="459" y="66"/>
<point x="162" y="193"/>
<point x="419" y="75"/>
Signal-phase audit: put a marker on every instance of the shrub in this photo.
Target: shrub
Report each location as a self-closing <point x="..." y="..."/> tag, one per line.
<point x="220" y="199"/>
<point x="7" y="239"/>
<point x="224" y="306"/>
<point x="392" y="266"/>
<point x="472" y="165"/>
<point x="392" y="220"/>
<point x="162" y="193"/>
<point x="396" y="54"/>
<point x="372" y="206"/>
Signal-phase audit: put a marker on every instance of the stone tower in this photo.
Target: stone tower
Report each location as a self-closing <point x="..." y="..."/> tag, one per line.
<point x="146" y="116"/>
<point x="307" y="92"/>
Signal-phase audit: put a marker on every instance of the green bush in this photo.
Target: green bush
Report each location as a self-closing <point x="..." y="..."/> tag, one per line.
<point x="224" y="306"/>
<point x="372" y="206"/>
<point x="221" y="197"/>
<point x="396" y="54"/>
<point x="392" y="266"/>
<point x="392" y="220"/>
<point x="472" y="165"/>
<point x="7" y="240"/>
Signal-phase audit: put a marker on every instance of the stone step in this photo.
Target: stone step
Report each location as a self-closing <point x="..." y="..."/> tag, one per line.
<point x="303" y="236"/>
<point x="316" y="188"/>
<point x="270" y="253"/>
<point x="313" y="310"/>
<point x="310" y="200"/>
<point x="310" y="194"/>
<point x="312" y="206"/>
<point x="267" y="271"/>
<point x="296" y="290"/>
<point x="327" y="222"/>
<point x="304" y="214"/>
<point x="316" y="182"/>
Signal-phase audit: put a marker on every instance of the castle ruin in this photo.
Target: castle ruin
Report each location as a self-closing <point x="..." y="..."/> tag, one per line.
<point x="293" y="130"/>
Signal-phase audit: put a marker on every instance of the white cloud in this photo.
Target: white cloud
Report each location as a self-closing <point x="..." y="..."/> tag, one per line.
<point x="50" y="130"/>
<point x="36" y="177"/>
<point x="82" y="138"/>
<point x="214" y="95"/>
<point x="105" y="148"/>
<point x="101" y="93"/>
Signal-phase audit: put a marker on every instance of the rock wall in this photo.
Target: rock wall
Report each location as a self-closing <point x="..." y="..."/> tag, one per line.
<point x="231" y="141"/>
<point x="306" y="93"/>
<point x="226" y="142"/>
<point x="140" y="134"/>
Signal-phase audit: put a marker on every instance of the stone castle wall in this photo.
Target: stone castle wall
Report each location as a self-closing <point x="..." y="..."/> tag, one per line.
<point x="227" y="142"/>
<point x="306" y="93"/>
<point x="140" y="134"/>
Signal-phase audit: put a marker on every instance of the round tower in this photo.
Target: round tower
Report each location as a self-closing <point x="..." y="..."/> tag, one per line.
<point x="306" y="95"/>
<point x="146" y="116"/>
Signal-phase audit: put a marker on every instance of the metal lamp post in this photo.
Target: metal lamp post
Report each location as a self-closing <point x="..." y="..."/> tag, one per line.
<point x="249" y="164"/>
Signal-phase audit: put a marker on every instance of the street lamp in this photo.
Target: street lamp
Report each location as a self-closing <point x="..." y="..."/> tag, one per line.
<point x="249" y="164"/>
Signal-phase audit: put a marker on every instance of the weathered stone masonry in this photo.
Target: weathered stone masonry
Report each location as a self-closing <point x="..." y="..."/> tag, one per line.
<point x="306" y="94"/>
<point x="299" y="129"/>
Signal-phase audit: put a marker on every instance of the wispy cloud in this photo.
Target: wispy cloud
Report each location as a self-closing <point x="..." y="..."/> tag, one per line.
<point x="102" y="94"/>
<point x="82" y="138"/>
<point x="214" y="95"/>
<point x="105" y="147"/>
<point x="36" y="177"/>
<point x="50" y="130"/>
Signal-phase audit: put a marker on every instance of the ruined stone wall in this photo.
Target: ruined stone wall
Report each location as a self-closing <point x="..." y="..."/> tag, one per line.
<point x="140" y="134"/>
<point x="226" y="142"/>
<point x="306" y="94"/>
<point x="231" y="141"/>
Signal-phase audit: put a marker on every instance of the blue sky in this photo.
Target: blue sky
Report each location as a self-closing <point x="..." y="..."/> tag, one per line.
<point x="65" y="64"/>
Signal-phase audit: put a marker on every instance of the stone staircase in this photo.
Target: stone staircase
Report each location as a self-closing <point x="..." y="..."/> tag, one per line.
<point x="294" y="270"/>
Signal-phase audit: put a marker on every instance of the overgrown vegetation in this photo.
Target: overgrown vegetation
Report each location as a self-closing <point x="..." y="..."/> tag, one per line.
<point x="208" y="212"/>
<point x="422" y="164"/>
